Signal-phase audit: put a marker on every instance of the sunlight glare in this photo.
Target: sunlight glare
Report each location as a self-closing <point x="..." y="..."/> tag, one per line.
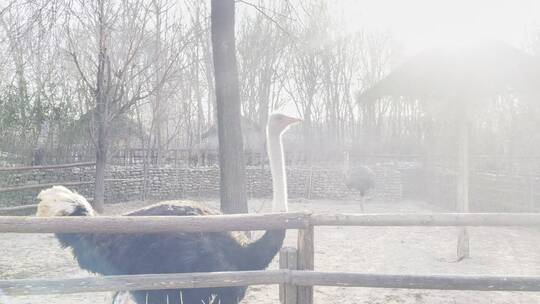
<point x="419" y="24"/>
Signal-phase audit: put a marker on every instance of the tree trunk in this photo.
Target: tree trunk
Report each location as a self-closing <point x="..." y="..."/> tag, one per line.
<point x="158" y="115"/>
<point x="101" y="162"/>
<point x="264" y="112"/>
<point x="101" y="149"/>
<point x="231" y="154"/>
<point x="463" y="181"/>
<point x="101" y="117"/>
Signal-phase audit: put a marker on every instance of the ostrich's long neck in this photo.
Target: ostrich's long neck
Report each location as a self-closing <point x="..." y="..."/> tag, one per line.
<point x="279" y="177"/>
<point x="260" y="253"/>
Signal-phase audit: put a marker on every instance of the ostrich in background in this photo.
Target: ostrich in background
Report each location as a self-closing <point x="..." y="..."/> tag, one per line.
<point x="358" y="178"/>
<point x="125" y="254"/>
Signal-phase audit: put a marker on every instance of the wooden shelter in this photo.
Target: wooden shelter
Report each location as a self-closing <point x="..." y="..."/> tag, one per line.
<point x="466" y="77"/>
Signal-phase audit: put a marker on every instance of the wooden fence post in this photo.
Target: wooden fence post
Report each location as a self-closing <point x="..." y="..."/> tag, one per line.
<point x="309" y="183"/>
<point x="306" y="257"/>
<point x="288" y="293"/>
<point x="463" y="184"/>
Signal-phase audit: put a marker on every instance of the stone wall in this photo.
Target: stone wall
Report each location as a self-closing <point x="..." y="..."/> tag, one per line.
<point x="487" y="192"/>
<point x="126" y="183"/>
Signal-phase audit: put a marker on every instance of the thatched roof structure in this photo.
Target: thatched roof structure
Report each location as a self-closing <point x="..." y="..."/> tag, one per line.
<point x="477" y="71"/>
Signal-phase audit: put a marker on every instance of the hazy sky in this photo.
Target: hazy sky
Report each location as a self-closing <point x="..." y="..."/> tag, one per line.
<point x="423" y="23"/>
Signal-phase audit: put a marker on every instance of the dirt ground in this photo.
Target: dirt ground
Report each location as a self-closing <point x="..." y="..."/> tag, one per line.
<point x="410" y="250"/>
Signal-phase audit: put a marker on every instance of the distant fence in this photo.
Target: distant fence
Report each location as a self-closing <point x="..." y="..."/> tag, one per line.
<point x="209" y="157"/>
<point x="194" y="157"/>
<point x="296" y="276"/>
<point x="28" y="168"/>
<point x="493" y="192"/>
<point x="22" y="184"/>
<point x="411" y="177"/>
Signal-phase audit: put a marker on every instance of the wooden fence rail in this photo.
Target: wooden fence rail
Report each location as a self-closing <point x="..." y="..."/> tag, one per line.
<point x="439" y="282"/>
<point x="268" y="277"/>
<point x="28" y="168"/>
<point x="40" y="186"/>
<point x="15" y="209"/>
<point x="244" y="222"/>
<point x="66" y="184"/>
<point x="428" y="219"/>
<point x="143" y="282"/>
<point x="298" y="274"/>
<point x="153" y="224"/>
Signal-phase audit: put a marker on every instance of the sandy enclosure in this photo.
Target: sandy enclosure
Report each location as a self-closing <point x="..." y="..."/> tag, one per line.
<point x="408" y="250"/>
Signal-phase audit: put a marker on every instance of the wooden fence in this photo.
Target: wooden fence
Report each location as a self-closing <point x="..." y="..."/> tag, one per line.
<point x="185" y="157"/>
<point x="296" y="276"/>
<point x="29" y="208"/>
<point x="59" y="166"/>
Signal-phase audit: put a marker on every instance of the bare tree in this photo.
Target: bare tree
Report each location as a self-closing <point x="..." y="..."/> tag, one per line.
<point x="32" y="50"/>
<point x="123" y="71"/>
<point x="262" y="48"/>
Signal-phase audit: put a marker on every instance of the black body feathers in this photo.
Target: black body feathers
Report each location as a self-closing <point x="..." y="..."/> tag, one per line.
<point x="117" y="254"/>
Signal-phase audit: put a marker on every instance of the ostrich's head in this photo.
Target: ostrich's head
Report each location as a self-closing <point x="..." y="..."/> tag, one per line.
<point x="278" y="123"/>
<point x="60" y="201"/>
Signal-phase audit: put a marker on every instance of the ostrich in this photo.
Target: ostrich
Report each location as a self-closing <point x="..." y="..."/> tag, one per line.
<point x="124" y="254"/>
<point x="358" y="178"/>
